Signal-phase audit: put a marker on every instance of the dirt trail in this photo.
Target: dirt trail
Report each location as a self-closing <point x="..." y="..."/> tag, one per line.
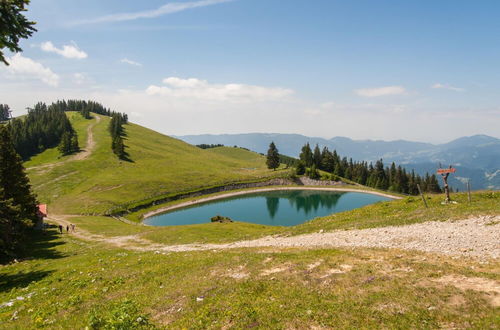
<point x="474" y="237"/>
<point x="84" y="154"/>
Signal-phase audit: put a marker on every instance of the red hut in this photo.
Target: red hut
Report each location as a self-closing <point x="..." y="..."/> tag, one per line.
<point x="42" y="213"/>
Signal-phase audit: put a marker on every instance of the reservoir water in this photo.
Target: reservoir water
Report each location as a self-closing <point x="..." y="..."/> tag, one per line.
<point x="274" y="208"/>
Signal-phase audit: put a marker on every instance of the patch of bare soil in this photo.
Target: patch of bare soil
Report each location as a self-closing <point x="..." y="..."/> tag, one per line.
<point x="490" y="287"/>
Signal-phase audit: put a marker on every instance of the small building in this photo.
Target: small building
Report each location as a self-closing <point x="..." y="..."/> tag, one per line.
<point x="42" y="213"/>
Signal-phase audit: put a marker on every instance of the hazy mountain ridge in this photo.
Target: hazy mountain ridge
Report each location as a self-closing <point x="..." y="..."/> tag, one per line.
<point x="475" y="157"/>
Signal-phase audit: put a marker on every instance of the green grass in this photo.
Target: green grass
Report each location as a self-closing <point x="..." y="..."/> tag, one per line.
<point x="72" y="284"/>
<point x="394" y="213"/>
<point x="160" y="165"/>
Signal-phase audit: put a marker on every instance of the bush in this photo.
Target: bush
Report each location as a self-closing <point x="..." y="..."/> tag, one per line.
<point x="124" y="315"/>
<point x="300" y="169"/>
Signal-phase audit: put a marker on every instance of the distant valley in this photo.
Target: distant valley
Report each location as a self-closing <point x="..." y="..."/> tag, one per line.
<point x="476" y="157"/>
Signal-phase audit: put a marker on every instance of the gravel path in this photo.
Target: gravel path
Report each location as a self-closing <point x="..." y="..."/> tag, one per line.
<point x="473" y="237"/>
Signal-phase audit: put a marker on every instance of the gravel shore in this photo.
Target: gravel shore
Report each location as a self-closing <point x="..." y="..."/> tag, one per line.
<point x="473" y="237"/>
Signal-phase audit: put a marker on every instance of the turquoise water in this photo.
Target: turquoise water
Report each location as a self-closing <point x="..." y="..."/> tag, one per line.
<point x="274" y="208"/>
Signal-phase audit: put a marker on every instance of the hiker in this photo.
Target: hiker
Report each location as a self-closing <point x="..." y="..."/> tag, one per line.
<point x="73" y="227"/>
<point x="67" y="229"/>
<point x="60" y="229"/>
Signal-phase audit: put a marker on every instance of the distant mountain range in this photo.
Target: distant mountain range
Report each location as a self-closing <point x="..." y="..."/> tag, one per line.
<point x="476" y="157"/>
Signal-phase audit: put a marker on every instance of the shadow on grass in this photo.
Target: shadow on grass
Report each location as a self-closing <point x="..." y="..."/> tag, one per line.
<point x="21" y="280"/>
<point x="41" y="245"/>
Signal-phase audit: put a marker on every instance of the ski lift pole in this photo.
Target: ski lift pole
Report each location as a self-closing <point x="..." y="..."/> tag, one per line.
<point x="422" y="195"/>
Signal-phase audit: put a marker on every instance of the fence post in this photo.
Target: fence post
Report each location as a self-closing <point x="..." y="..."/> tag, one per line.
<point x="421" y="194"/>
<point x="468" y="191"/>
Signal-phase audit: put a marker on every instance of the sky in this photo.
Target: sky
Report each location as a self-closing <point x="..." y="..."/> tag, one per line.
<point x="416" y="70"/>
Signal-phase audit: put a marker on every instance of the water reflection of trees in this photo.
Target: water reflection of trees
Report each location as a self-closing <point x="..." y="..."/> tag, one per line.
<point x="303" y="200"/>
<point x="272" y="205"/>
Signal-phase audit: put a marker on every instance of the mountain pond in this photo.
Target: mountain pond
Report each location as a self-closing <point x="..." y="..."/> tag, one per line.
<point x="273" y="208"/>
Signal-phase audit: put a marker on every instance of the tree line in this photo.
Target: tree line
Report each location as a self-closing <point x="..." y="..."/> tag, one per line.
<point x="43" y="127"/>
<point x="86" y="107"/>
<point x="393" y="178"/>
<point x="209" y="146"/>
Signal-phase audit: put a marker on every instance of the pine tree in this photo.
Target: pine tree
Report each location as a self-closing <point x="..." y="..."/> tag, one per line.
<point x="118" y="147"/>
<point x="18" y="206"/>
<point x="65" y="144"/>
<point x="306" y="155"/>
<point x="273" y="157"/>
<point x="317" y="156"/>
<point x="74" y="143"/>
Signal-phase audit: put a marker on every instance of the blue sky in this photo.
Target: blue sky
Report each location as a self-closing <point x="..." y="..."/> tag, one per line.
<point x="418" y="70"/>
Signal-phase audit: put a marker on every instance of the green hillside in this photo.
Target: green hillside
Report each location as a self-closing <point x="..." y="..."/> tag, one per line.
<point x="159" y="165"/>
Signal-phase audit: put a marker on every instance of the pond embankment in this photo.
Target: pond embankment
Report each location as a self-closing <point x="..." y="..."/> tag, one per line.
<point x="272" y="185"/>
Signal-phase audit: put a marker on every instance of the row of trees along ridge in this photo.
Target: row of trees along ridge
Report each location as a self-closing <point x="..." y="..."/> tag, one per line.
<point x="116" y="130"/>
<point x="393" y="178"/>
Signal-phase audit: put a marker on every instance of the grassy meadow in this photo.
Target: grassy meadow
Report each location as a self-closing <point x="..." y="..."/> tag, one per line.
<point x="64" y="282"/>
<point x="75" y="284"/>
<point x="159" y="165"/>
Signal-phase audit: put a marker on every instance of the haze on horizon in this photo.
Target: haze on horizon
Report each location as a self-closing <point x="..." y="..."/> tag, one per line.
<point x="422" y="71"/>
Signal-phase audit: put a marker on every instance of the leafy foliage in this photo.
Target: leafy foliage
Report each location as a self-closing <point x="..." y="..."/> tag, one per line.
<point x="125" y="315"/>
<point x="13" y="26"/>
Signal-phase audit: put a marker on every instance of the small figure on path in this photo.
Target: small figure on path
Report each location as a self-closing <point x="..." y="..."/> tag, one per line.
<point x="67" y="229"/>
<point x="60" y="229"/>
<point x="73" y="227"/>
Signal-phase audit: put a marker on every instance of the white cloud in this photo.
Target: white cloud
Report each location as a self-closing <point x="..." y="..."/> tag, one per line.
<point x="448" y="87"/>
<point x="194" y="88"/>
<point x="68" y="51"/>
<point x="127" y="61"/>
<point x="25" y="67"/>
<point x="381" y="91"/>
<point x="81" y="78"/>
<point x="169" y="8"/>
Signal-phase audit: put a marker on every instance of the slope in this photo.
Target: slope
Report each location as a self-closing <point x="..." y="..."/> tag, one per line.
<point x="159" y="165"/>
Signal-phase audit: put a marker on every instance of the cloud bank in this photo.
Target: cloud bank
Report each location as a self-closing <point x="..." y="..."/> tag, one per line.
<point x="169" y="8"/>
<point x="381" y="91"/>
<point x="127" y="61"/>
<point x="194" y="88"/>
<point x="448" y="87"/>
<point x="67" y="51"/>
<point x="27" y="68"/>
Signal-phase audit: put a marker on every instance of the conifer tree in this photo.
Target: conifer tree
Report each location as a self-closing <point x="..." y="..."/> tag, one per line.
<point x="317" y="156"/>
<point x="306" y="155"/>
<point x="18" y="205"/>
<point x="74" y="143"/>
<point x="65" y="144"/>
<point x="273" y="158"/>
